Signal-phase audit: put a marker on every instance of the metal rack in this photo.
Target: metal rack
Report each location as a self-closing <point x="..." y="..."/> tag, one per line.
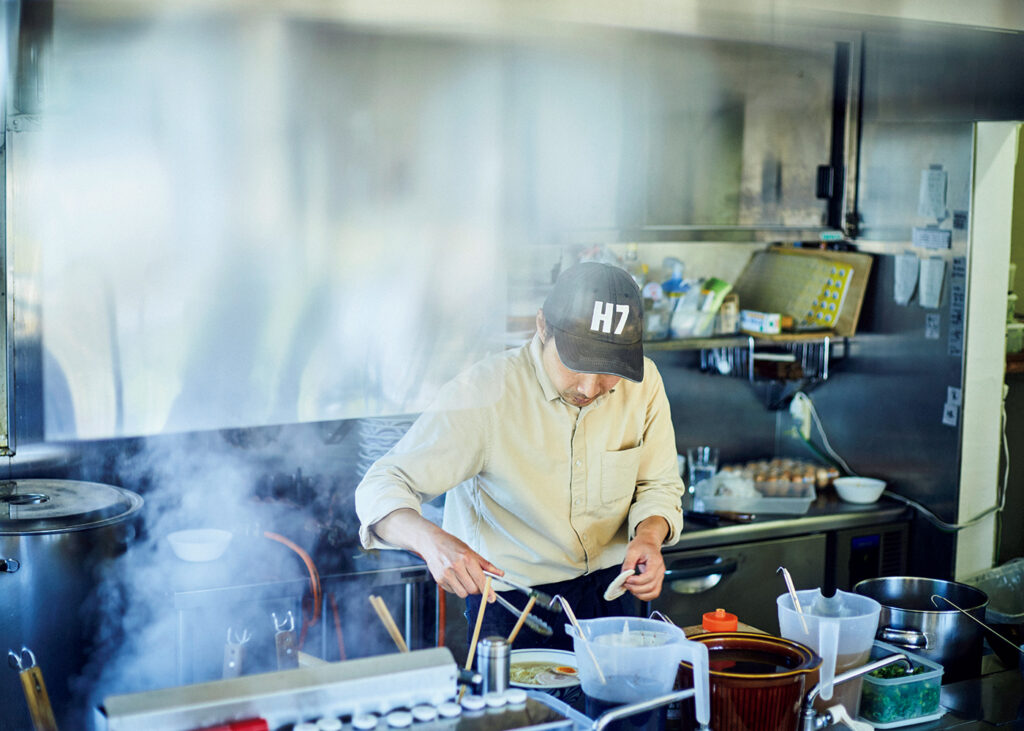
<point x="807" y="361"/>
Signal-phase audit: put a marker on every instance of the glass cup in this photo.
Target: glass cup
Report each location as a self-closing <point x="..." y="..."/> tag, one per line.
<point x="702" y="464"/>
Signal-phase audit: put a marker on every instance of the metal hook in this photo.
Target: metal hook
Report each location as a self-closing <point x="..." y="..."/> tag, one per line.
<point x="280" y="626"/>
<point x="662" y="616"/>
<point x="18" y="662"/>
<point x="241" y="639"/>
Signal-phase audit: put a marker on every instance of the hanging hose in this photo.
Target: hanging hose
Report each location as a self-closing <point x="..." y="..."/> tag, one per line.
<point x="314" y="581"/>
<point x="337" y="627"/>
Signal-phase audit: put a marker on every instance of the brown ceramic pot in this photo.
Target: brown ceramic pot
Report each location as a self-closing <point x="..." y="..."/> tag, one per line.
<point x="758" y="681"/>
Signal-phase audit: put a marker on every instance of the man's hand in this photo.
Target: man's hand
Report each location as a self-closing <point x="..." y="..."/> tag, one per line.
<point x="644" y="551"/>
<point x="456" y="567"/>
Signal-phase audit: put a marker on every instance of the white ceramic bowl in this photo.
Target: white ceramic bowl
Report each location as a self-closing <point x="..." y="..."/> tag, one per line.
<point x="859" y="489"/>
<point x="199" y="544"/>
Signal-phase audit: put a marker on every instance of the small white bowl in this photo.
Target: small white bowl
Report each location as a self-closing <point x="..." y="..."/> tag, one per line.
<point x="199" y="544"/>
<point x="859" y="489"/>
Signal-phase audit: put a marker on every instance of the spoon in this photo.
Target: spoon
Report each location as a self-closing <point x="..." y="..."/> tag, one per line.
<point x="579" y="633"/>
<point x="792" y="592"/>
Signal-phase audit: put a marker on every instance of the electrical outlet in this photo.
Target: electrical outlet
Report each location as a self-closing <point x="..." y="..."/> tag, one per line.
<point x="800" y="410"/>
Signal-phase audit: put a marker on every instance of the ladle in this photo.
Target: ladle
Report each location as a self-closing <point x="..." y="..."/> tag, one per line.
<point x="1017" y="647"/>
<point x="792" y="593"/>
<point x="579" y="632"/>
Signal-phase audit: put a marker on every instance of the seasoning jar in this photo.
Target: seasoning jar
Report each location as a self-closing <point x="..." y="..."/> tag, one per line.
<point x="719" y="621"/>
<point x="493" y="661"/>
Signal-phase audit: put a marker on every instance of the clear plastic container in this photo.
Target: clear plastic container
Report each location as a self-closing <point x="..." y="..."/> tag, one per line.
<point x="1005" y="588"/>
<point x="909" y="699"/>
<point x="841" y="629"/>
<point x="636" y="660"/>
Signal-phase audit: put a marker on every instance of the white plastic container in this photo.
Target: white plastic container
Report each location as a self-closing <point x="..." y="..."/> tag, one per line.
<point x="841" y="629"/>
<point x="636" y="660"/>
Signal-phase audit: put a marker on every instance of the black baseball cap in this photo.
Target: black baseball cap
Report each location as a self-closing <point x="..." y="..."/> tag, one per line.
<point x="596" y="314"/>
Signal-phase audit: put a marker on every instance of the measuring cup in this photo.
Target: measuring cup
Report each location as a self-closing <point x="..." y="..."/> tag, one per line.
<point x="638" y="659"/>
<point x="841" y="629"/>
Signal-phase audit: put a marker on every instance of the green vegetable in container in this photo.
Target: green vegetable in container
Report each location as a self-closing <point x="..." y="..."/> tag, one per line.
<point x="888" y="702"/>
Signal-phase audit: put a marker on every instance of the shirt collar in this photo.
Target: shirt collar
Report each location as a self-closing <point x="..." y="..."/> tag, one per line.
<point x="536" y="349"/>
<point x="550" y="392"/>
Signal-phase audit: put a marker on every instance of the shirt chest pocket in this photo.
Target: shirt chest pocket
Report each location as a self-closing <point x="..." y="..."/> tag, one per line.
<point x="618" y="475"/>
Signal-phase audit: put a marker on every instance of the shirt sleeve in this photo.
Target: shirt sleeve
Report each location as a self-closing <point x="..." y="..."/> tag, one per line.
<point x="445" y="446"/>
<point x="659" y="488"/>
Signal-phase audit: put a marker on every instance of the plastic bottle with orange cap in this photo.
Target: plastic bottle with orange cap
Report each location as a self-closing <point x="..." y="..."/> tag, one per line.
<point x="719" y="621"/>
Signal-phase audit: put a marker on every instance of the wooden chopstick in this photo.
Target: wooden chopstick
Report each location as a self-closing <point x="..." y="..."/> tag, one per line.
<point x="388" y="621"/>
<point x="522" y="618"/>
<point x="476" y="630"/>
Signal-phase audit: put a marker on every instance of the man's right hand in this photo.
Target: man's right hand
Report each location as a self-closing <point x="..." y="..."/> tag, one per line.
<point x="456" y="567"/>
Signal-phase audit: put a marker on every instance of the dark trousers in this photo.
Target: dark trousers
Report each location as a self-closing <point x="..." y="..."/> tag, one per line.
<point x="585" y="595"/>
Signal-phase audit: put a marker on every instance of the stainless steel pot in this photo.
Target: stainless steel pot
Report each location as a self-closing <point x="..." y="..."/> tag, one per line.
<point x="54" y="538"/>
<point x="912" y="621"/>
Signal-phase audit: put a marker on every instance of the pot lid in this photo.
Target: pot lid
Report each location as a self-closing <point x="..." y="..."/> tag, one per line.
<point x="51" y="506"/>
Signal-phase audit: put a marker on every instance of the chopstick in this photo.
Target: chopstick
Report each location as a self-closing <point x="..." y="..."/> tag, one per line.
<point x="522" y="619"/>
<point x="388" y="621"/>
<point x="476" y="630"/>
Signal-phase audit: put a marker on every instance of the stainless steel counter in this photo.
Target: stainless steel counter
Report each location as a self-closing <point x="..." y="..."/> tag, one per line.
<point x="826" y="513"/>
<point x="994" y="700"/>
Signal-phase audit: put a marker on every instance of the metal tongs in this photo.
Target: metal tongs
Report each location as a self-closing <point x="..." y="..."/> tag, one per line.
<point x="545" y="601"/>
<point x="537" y="624"/>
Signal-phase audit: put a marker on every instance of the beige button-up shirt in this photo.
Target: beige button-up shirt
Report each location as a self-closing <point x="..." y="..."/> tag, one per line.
<point x="544" y="490"/>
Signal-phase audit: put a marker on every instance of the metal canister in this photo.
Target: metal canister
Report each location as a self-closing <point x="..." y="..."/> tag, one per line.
<point x="492" y="662"/>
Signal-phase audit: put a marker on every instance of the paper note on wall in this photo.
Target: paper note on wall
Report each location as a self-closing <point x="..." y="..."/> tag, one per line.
<point x="931" y="196"/>
<point x="930" y="281"/>
<point x="906" y="277"/>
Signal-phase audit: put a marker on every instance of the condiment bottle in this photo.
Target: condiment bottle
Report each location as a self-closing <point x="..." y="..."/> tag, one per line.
<point x="493" y="663"/>
<point x="719" y="621"/>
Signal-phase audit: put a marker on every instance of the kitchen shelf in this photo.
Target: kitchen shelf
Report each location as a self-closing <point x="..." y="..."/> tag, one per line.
<point x="739" y="340"/>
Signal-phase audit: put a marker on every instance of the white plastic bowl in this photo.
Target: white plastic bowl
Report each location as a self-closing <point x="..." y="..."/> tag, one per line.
<point x="859" y="489"/>
<point x="199" y="544"/>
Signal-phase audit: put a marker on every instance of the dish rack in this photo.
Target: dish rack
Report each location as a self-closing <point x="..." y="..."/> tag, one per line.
<point x="758" y="360"/>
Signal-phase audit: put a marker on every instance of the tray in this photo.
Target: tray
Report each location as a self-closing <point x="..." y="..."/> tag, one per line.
<point x="795" y="505"/>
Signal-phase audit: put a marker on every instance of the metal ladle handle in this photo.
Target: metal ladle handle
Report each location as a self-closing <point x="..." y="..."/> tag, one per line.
<point x="1013" y="644"/>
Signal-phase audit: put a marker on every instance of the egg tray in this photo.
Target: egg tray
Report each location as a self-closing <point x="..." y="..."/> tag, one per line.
<point x="797" y="500"/>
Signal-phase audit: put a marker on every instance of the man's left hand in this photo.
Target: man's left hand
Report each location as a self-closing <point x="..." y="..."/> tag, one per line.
<point x="644" y="552"/>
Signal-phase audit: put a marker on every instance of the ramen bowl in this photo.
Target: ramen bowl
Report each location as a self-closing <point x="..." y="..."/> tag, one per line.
<point x="543" y="669"/>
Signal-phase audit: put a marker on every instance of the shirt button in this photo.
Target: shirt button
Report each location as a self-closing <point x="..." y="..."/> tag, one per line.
<point x="578" y="463"/>
<point x="576" y="501"/>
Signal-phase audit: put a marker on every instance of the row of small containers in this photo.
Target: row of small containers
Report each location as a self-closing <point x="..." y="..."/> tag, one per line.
<point x="761" y="681"/>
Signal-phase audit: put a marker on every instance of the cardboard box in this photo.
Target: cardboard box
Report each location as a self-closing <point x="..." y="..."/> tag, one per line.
<point x="763" y="323"/>
<point x="793" y="283"/>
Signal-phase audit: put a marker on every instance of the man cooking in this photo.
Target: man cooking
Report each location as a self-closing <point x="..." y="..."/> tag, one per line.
<point x="559" y="460"/>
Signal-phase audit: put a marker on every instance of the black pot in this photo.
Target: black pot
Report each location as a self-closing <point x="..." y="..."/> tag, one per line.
<point x="911" y="620"/>
<point x="54" y="538"/>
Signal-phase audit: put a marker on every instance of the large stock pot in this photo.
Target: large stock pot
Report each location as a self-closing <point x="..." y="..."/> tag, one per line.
<point x="55" y="536"/>
<point x="912" y="620"/>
